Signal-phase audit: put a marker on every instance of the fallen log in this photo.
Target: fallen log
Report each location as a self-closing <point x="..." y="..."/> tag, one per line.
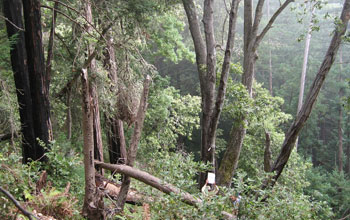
<point x="112" y="189"/>
<point x="156" y="183"/>
<point x="150" y="180"/>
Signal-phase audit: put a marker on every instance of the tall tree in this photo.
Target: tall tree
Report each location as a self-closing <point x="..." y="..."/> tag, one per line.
<point x="14" y="25"/>
<point x="307" y="107"/>
<point x="92" y="201"/>
<point x="212" y="97"/>
<point x="39" y="80"/>
<point x="98" y="149"/>
<point x="31" y="81"/>
<point x="270" y="55"/>
<point x="306" y="56"/>
<point x="252" y="41"/>
<point x="340" y="119"/>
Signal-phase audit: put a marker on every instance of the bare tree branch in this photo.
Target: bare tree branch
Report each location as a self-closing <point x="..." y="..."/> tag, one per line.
<point x="271" y="21"/>
<point x="10" y="22"/>
<point x="24" y="211"/>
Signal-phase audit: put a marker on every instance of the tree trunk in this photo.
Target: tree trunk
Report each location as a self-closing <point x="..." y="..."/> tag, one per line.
<point x="267" y="153"/>
<point x="306" y="109"/>
<point x="252" y="41"/>
<point x="340" y="120"/>
<point x="270" y="57"/>
<point x="135" y="139"/>
<point x="93" y="208"/>
<point x="340" y="140"/>
<point x="348" y="149"/>
<point x="303" y="73"/>
<point x="93" y="202"/>
<point x="69" y="114"/>
<point x="98" y="147"/>
<point x="116" y="137"/>
<point x="30" y="149"/>
<point x="116" y="141"/>
<point x="39" y="82"/>
<point x="206" y="66"/>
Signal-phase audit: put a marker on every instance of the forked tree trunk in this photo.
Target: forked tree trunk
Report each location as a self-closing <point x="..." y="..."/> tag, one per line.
<point x="30" y="148"/>
<point x="306" y="109"/>
<point x="252" y="41"/>
<point x="206" y="66"/>
<point x="39" y="82"/>
<point x="135" y="139"/>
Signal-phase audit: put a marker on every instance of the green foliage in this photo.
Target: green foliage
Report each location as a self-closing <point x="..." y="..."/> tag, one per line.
<point x="20" y="180"/>
<point x="168" y="117"/>
<point x="286" y="200"/>
<point x="168" y="41"/>
<point x="332" y="187"/>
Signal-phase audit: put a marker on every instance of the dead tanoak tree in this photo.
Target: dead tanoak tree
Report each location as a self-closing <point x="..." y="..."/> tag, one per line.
<point x="135" y="139"/>
<point x="212" y="97"/>
<point x="306" y="109"/>
<point x="252" y="41"/>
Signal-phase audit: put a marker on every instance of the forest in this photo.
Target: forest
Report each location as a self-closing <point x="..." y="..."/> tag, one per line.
<point x="169" y="109"/>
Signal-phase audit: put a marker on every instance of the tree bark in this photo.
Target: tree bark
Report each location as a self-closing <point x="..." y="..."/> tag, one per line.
<point x="30" y="148"/>
<point x="135" y="139"/>
<point x="340" y="119"/>
<point x="91" y="208"/>
<point x="150" y="180"/>
<point x="39" y="82"/>
<point x="116" y="137"/>
<point x="347" y="167"/>
<point x="251" y="43"/>
<point x="270" y="55"/>
<point x="206" y="66"/>
<point x="69" y="114"/>
<point x="303" y="73"/>
<point x="267" y="153"/>
<point x="98" y="147"/>
<point x="306" y="109"/>
<point x="93" y="202"/>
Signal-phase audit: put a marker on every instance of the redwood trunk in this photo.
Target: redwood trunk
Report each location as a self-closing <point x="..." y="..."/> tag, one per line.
<point x="39" y="83"/>
<point x="30" y="148"/>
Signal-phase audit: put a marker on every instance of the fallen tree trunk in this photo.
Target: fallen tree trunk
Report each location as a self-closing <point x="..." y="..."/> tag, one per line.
<point x="156" y="183"/>
<point x="150" y="180"/>
<point x="112" y="189"/>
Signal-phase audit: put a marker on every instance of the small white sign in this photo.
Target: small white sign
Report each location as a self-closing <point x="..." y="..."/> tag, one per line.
<point x="211" y="178"/>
